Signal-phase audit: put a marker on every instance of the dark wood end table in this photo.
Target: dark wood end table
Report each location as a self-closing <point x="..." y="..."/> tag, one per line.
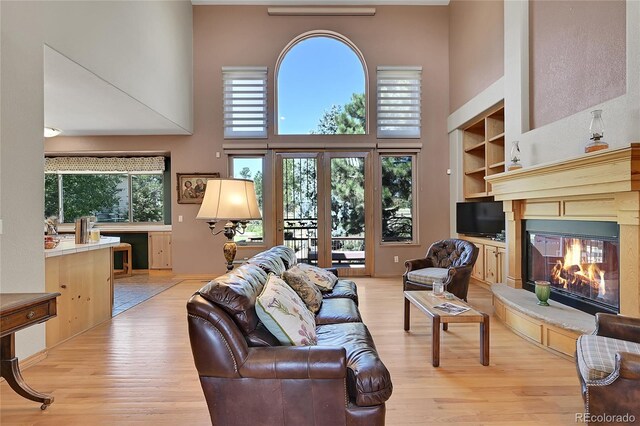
<point x="19" y="311"/>
<point x="426" y="302"/>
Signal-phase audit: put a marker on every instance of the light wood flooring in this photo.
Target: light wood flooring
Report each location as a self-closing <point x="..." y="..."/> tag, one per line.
<point x="137" y="369"/>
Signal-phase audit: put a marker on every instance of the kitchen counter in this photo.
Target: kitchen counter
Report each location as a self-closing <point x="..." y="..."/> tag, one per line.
<point x="83" y="275"/>
<point x="68" y="246"/>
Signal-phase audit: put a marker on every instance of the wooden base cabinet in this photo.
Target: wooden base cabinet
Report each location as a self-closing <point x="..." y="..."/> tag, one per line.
<point x="160" y="250"/>
<point x="84" y="281"/>
<point x="489" y="268"/>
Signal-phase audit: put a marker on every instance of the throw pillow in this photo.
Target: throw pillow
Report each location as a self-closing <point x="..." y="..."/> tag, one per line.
<point x="285" y="315"/>
<point x="307" y="291"/>
<point x="321" y="278"/>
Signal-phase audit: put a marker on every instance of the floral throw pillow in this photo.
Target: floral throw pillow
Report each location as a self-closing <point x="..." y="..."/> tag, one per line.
<point x="285" y="315"/>
<point x="307" y="291"/>
<point x="321" y="278"/>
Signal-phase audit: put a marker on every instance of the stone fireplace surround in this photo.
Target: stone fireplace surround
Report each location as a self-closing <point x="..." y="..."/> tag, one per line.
<point x="600" y="186"/>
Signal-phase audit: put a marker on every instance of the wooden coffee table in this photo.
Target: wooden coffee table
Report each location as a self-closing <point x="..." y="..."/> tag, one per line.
<point x="426" y="302"/>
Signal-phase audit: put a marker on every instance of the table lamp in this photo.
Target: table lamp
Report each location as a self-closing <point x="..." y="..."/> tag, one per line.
<point x="234" y="202"/>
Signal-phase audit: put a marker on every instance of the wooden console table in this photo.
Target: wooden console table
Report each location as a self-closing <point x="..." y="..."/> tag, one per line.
<point x="19" y="311"/>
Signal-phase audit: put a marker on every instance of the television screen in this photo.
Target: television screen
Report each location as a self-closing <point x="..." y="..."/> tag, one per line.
<point x="480" y="219"/>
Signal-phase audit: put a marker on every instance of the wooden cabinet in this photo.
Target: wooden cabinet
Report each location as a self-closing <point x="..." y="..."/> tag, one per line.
<point x="160" y="250"/>
<point x="489" y="267"/>
<point x="494" y="264"/>
<point x="478" y="268"/>
<point x="483" y="152"/>
<point x="84" y="282"/>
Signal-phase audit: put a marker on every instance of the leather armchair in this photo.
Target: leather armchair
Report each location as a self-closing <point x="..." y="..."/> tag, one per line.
<point x="452" y="260"/>
<point x="615" y="390"/>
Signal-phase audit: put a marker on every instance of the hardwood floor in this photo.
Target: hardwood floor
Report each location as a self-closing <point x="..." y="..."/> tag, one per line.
<point x="137" y="369"/>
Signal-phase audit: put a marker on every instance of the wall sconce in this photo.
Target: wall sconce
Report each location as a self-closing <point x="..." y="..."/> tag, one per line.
<point x="234" y="202"/>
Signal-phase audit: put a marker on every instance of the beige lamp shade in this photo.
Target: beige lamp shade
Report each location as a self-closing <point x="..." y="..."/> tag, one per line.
<point x="229" y="199"/>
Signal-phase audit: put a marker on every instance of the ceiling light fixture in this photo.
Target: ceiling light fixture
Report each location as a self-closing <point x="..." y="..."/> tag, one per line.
<point x="50" y="132"/>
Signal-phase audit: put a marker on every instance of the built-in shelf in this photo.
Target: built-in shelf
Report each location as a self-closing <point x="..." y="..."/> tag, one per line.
<point x="476" y="195"/>
<point x="478" y="170"/>
<point x="497" y="137"/>
<point x="475" y="147"/>
<point x="483" y="152"/>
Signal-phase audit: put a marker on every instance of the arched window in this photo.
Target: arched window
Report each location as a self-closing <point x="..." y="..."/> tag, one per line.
<point x="321" y="81"/>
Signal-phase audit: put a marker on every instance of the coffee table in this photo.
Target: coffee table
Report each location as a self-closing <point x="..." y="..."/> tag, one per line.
<point x="426" y="302"/>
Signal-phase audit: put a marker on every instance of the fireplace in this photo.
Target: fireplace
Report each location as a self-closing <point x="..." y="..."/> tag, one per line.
<point x="579" y="258"/>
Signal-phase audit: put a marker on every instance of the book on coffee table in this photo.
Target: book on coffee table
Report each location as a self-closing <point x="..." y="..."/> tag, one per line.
<point x="451" y="308"/>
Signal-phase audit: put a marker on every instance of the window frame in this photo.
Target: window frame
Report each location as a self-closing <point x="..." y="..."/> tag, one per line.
<point x="300" y="38"/>
<point x="414" y="195"/>
<point x="387" y="73"/>
<point x="262" y="157"/>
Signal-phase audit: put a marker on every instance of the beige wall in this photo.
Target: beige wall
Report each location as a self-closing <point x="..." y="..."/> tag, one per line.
<point x="476" y="48"/>
<point x="246" y="35"/>
<point x="577" y="56"/>
<point x="110" y="39"/>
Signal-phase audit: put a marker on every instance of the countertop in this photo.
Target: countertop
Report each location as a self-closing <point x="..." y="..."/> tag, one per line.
<point x="68" y="246"/>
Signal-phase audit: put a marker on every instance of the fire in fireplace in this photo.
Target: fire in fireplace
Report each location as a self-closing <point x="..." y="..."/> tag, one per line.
<point x="580" y="262"/>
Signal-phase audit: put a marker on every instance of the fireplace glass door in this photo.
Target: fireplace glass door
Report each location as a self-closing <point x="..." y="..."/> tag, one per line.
<point x="584" y="268"/>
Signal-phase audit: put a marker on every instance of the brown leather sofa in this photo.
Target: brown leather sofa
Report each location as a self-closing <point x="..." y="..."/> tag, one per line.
<point x="608" y="364"/>
<point x="451" y="260"/>
<point x="248" y="378"/>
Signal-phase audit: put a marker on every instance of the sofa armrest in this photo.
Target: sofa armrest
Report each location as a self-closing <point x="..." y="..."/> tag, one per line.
<point x="300" y="362"/>
<point x="414" y="264"/>
<point x="618" y="327"/>
<point x="629" y="365"/>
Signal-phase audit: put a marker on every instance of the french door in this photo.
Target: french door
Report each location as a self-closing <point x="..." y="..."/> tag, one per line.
<point x="324" y="208"/>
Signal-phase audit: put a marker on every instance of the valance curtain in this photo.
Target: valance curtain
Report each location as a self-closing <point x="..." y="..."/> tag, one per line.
<point x="104" y="164"/>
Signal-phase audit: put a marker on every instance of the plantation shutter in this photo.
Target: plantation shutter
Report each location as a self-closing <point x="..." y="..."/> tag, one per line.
<point x="399" y="102"/>
<point x="245" y="102"/>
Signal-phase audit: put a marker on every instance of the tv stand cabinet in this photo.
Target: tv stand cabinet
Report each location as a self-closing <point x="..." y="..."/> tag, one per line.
<point x="489" y="268"/>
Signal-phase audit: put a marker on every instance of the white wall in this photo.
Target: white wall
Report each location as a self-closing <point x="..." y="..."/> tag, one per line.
<point x="143" y="48"/>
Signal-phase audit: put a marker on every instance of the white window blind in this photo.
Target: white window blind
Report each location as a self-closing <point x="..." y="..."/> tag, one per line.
<point x="399" y="102"/>
<point x="245" y="102"/>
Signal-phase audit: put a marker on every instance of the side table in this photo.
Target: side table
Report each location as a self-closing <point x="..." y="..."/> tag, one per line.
<point x="19" y="311"/>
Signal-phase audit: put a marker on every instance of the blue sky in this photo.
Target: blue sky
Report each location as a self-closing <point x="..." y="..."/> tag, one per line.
<point x="315" y="74"/>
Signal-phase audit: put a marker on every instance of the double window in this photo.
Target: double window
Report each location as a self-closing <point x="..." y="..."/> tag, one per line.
<point x="114" y="190"/>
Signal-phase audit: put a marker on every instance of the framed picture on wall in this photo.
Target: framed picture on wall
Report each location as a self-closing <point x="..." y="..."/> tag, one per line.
<point x="191" y="186"/>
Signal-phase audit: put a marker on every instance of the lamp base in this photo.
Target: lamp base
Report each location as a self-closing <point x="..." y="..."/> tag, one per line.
<point x="229" y="250"/>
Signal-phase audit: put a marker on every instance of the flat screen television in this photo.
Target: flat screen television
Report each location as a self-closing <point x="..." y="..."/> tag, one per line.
<point x="484" y="219"/>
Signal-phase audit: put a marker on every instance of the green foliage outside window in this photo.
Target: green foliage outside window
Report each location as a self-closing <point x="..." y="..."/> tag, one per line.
<point x="97" y="195"/>
<point x="147" y="198"/>
<point x="105" y="196"/>
<point x="397" y="200"/>
<point x="347" y="120"/>
<point x="347" y="197"/>
<point x="51" y="195"/>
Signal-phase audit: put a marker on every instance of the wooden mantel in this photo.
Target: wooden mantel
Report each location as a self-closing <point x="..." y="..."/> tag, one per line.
<point x="601" y="186"/>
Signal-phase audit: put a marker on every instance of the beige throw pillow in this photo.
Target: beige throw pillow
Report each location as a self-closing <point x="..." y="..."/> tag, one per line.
<point x="307" y="291"/>
<point x="321" y="278"/>
<point x="285" y="315"/>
